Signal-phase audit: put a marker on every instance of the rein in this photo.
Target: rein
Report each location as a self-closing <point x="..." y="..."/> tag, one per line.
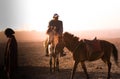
<point x="76" y="46"/>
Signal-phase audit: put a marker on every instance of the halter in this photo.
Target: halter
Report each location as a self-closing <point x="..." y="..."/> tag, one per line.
<point x="77" y="45"/>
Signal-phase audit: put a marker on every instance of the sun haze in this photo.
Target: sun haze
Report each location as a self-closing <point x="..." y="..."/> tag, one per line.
<point x="75" y="14"/>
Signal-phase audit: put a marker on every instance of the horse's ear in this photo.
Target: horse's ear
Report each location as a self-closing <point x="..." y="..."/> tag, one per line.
<point x="66" y="34"/>
<point x="95" y="38"/>
<point x="81" y="40"/>
<point x="72" y="35"/>
<point x="76" y="38"/>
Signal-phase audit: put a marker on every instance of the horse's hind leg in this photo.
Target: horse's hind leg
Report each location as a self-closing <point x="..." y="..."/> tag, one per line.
<point x="85" y="69"/>
<point x="109" y="66"/>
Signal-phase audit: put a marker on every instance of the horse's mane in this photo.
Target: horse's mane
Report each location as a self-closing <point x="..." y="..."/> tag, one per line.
<point x="71" y="41"/>
<point x="71" y="36"/>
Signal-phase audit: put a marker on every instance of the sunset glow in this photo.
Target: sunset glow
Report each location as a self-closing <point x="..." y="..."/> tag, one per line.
<point x="76" y="15"/>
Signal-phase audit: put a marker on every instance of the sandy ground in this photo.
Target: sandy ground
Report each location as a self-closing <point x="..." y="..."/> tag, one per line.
<point x="34" y="65"/>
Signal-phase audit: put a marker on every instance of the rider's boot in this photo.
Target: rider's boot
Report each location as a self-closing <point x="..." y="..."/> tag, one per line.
<point x="46" y="50"/>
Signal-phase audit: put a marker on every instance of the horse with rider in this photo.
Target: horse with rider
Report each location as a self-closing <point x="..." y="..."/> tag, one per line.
<point x="56" y="26"/>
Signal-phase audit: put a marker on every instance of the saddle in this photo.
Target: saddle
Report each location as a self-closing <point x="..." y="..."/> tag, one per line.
<point x="93" y="47"/>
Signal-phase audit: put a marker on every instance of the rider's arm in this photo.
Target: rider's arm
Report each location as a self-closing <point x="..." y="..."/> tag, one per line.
<point x="61" y="27"/>
<point x="49" y="26"/>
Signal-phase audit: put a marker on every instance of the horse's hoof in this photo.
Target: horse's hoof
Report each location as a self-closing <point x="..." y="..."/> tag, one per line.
<point x="58" y="70"/>
<point x="108" y="77"/>
<point x="88" y="78"/>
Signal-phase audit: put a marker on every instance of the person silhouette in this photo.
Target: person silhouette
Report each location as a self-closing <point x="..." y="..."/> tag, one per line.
<point x="11" y="54"/>
<point x="58" y="25"/>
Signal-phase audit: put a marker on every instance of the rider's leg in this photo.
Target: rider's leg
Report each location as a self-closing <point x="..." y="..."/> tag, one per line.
<point x="46" y="47"/>
<point x="46" y="50"/>
<point x="61" y="47"/>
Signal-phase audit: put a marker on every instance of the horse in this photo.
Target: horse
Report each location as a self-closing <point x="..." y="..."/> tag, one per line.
<point x="81" y="53"/>
<point x="52" y="43"/>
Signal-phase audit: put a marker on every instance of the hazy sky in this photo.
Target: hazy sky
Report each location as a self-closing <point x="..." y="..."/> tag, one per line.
<point x="75" y="14"/>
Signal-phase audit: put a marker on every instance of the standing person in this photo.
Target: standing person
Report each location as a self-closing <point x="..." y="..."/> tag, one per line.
<point x="59" y="30"/>
<point x="11" y="53"/>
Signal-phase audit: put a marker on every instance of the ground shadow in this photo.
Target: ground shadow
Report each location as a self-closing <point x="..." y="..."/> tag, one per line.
<point x="35" y="72"/>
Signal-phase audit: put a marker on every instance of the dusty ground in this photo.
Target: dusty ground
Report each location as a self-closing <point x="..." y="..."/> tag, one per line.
<point x="34" y="65"/>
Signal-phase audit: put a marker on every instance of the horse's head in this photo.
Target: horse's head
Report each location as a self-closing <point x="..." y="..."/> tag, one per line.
<point x="67" y="36"/>
<point x="51" y="30"/>
<point x="69" y="39"/>
<point x="52" y="34"/>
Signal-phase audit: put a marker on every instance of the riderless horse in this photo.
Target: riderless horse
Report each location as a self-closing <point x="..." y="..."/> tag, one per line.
<point x="86" y="50"/>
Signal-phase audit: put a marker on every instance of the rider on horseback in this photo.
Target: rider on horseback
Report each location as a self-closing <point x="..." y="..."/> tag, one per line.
<point x="57" y="25"/>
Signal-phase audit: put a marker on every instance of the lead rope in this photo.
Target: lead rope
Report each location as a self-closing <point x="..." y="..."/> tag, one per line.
<point x="76" y="47"/>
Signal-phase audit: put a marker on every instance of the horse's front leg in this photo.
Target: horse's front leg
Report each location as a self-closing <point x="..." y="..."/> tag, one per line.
<point x="54" y="64"/>
<point x="85" y="69"/>
<point x="57" y="64"/>
<point x="50" y="64"/>
<point x="74" y="69"/>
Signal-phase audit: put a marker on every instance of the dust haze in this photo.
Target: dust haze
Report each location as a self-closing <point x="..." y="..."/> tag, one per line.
<point x="36" y="36"/>
<point x="33" y="64"/>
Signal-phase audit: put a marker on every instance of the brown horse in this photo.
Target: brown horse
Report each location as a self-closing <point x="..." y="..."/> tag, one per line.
<point x="81" y="52"/>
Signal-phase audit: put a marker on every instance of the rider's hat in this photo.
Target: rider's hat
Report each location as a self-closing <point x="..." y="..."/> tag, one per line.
<point x="55" y="15"/>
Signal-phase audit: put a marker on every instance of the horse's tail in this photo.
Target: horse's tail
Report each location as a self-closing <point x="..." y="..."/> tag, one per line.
<point x="115" y="54"/>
